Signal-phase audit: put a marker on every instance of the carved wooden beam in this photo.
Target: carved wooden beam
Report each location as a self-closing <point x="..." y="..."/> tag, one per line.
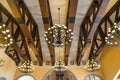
<point x="16" y="11"/>
<point x="12" y="24"/>
<point x="106" y="22"/>
<point x="0" y="15"/>
<point x="89" y="40"/>
<point x="86" y="27"/>
<point x="47" y="21"/>
<point x="70" y="20"/>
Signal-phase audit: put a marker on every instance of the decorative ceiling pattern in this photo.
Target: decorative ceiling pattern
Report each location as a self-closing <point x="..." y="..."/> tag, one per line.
<point x="29" y="19"/>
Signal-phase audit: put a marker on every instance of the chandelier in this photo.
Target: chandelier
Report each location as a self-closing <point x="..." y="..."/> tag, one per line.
<point x="26" y="67"/>
<point x="59" y="66"/>
<point x="5" y="37"/>
<point x="1" y="62"/>
<point x="113" y="35"/>
<point x="58" y="35"/>
<point x="92" y="65"/>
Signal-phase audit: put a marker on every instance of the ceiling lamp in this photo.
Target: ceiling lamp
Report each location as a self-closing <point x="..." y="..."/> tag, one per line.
<point x="92" y="65"/>
<point x="59" y="66"/>
<point x="1" y="62"/>
<point x="58" y="35"/>
<point x="113" y="35"/>
<point x="5" y="37"/>
<point x="26" y="67"/>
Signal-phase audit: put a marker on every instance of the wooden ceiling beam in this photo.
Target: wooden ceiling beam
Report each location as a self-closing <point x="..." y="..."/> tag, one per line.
<point x="0" y="15"/>
<point x="20" y="20"/>
<point x="16" y="11"/>
<point x="70" y="20"/>
<point x="89" y="40"/>
<point x="47" y="21"/>
<point x="19" y="51"/>
<point x="15" y="35"/>
<point x="104" y="20"/>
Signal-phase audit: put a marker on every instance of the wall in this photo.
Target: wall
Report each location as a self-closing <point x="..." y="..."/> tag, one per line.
<point x="41" y="71"/>
<point x="110" y="61"/>
<point x="9" y="68"/>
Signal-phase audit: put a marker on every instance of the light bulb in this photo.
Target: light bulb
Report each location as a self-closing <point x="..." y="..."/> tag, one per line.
<point x="11" y="42"/>
<point x="69" y="29"/>
<point x="5" y="37"/>
<point x="8" y="35"/>
<point x="3" y="32"/>
<point x="7" y="30"/>
<point x="113" y="31"/>
<point x="119" y="28"/>
<point x="3" y="25"/>
<point x="71" y="33"/>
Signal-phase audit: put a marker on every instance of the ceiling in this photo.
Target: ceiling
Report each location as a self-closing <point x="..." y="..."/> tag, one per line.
<point x="31" y="18"/>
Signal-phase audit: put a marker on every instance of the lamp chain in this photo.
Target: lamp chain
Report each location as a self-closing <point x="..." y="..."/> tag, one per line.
<point x="59" y="15"/>
<point x="59" y="53"/>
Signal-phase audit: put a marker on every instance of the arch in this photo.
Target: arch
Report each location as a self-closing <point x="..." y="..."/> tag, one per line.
<point x="93" y="77"/>
<point x="68" y="75"/>
<point x="25" y="77"/>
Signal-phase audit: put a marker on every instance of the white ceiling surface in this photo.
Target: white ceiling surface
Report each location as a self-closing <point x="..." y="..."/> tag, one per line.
<point x="54" y="5"/>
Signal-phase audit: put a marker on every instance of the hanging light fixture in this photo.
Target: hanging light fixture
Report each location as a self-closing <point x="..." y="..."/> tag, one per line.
<point x="59" y="66"/>
<point x="113" y="35"/>
<point x="5" y="37"/>
<point x="58" y="35"/>
<point x="1" y="62"/>
<point x="26" y="67"/>
<point x="92" y="65"/>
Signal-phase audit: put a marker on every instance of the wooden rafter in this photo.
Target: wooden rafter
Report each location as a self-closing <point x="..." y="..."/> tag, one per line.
<point x="21" y="20"/>
<point x="71" y="13"/>
<point x="86" y="27"/>
<point x="96" y="17"/>
<point x="16" y="50"/>
<point x="0" y="15"/>
<point x="105" y="23"/>
<point x="47" y="21"/>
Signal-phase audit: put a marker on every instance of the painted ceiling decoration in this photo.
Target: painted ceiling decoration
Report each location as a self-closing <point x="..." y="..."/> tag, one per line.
<point x="29" y="19"/>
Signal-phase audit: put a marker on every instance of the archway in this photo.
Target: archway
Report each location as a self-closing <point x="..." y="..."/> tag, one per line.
<point x="26" y="77"/>
<point x="93" y="77"/>
<point x="66" y="75"/>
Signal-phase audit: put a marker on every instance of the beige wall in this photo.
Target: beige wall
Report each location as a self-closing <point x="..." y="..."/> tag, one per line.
<point x="110" y="61"/>
<point x="9" y="68"/>
<point x="41" y="71"/>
